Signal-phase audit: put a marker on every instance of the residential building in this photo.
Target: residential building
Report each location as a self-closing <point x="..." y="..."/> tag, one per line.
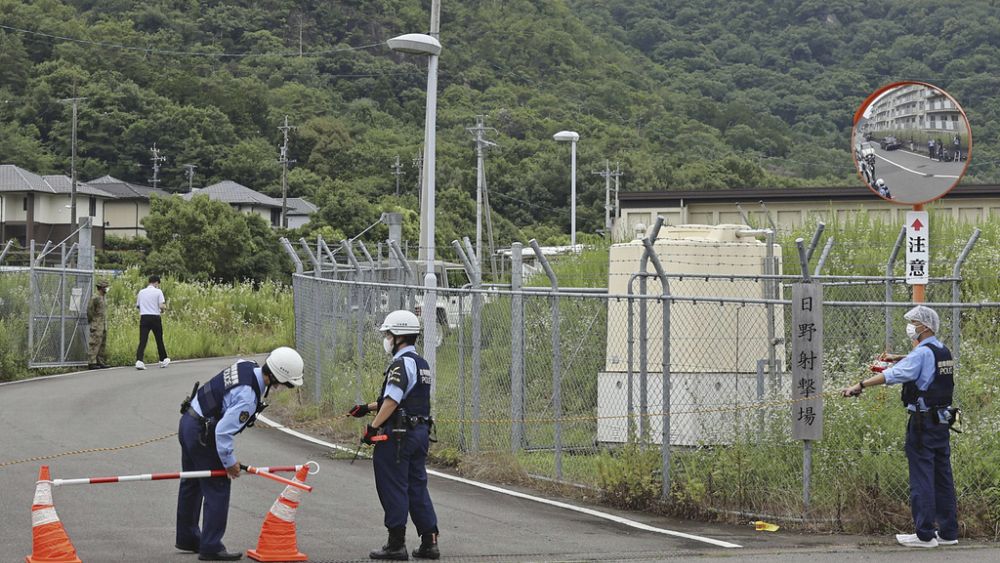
<point x="243" y="199"/>
<point x="35" y="207"/>
<point x="299" y="212"/>
<point x="123" y="215"/>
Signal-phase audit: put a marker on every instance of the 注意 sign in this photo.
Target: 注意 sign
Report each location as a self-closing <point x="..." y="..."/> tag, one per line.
<point x="807" y="361"/>
<point x="918" y="261"/>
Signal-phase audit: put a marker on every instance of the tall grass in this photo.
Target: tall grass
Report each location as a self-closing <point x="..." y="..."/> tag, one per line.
<point x="202" y="320"/>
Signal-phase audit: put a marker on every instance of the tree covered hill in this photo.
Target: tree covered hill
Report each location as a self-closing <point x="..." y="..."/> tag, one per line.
<point x="685" y="94"/>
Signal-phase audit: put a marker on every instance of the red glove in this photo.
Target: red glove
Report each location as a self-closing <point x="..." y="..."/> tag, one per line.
<point x="359" y="410"/>
<point x="879" y="367"/>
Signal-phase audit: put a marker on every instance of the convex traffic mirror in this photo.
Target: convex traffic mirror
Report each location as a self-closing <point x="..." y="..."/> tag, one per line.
<point x="911" y="142"/>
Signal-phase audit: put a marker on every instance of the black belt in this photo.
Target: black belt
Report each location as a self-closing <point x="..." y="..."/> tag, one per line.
<point x="194" y="414"/>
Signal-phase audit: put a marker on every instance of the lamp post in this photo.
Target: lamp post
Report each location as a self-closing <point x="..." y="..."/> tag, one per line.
<point x="422" y="44"/>
<point x="572" y="137"/>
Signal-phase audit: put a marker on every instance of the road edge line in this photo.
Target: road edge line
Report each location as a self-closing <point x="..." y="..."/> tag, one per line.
<point x="588" y="511"/>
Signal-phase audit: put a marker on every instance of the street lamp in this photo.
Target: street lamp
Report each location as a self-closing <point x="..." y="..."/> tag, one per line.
<point x="572" y="137"/>
<point x="421" y="44"/>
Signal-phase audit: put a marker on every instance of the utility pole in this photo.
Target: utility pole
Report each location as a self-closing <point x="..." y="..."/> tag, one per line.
<point x="157" y="159"/>
<point x="189" y="172"/>
<point x="606" y="174"/>
<point x="481" y="144"/>
<point x="283" y="160"/>
<point x="72" y="165"/>
<point x="617" y="174"/>
<point x="397" y="172"/>
<point x="418" y="163"/>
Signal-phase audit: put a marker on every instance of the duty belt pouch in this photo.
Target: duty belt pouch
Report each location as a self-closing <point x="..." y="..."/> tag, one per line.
<point x="954" y="419"/>
<point x="186" y="403"/>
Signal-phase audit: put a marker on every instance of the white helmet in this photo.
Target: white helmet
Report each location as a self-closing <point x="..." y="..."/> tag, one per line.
<point x="401" y="322"/>
<point x="285" y="365"/>
<point x="880" y="183"/>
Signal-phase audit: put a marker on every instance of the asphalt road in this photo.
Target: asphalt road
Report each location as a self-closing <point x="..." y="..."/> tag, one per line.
<point x="914" y="178"/>
<point x="340" y="520"/>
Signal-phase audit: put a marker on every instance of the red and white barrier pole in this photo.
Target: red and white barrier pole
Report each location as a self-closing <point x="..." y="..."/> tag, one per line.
<point x="267" y="472"/>
<point x="260" y="472"/>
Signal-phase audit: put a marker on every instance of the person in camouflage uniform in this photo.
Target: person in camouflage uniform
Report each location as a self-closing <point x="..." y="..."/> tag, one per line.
<point x="97" y="317"/>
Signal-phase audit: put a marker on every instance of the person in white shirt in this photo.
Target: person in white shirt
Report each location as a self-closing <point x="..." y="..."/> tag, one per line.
<point x="151" y="304"/>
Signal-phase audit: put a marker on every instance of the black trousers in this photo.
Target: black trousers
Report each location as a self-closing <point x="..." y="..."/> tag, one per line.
<point x="150" y="323"/>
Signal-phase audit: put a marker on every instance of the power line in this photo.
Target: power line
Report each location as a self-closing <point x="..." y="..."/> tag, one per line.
<point x="153" y="51"/>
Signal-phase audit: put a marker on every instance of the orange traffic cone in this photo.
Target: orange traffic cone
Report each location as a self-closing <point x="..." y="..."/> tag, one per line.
<point x="277" y="536"/>
<point x="50" y="544"/>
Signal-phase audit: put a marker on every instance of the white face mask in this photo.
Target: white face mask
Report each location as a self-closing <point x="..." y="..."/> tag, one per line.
<point x="911" y="331"/>
<point x="387" y="345"/>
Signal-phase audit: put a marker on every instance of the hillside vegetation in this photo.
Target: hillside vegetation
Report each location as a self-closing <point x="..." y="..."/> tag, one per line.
<point x="685" y="94"/>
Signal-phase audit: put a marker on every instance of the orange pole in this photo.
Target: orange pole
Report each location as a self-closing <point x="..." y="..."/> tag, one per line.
<point x="918" y="290"/>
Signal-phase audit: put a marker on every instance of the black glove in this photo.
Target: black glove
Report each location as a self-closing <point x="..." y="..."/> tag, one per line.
<point x="359" y="410"/>
<point x="372" y="435"/>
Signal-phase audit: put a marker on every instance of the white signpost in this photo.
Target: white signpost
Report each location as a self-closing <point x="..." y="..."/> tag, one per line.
<point x="917" y="248"/>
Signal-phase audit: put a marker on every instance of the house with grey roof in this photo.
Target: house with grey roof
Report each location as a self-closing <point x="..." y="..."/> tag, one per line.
<point x="35" y="207"/>
<point x="123" y="215"/>
<point x="242" y="199"/>
<point x="299" y="212"/>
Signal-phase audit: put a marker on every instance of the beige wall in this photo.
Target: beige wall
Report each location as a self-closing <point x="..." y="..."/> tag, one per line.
<point x="263" y="212"/>
<point x="789" y="215"/>
<point x="124" y="218"/>
<point x="53" y="209"/>
<point x="705" y="337"/>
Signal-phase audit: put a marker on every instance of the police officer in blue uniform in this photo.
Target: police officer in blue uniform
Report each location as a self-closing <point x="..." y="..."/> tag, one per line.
<point x="926" y="375"/>
<point x="210" y="419"/>
<point x="401" y="434"/>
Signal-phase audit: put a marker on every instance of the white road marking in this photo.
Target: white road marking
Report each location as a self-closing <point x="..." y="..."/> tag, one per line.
<point x="501" y="490"/>
<point x="914" y="171"/>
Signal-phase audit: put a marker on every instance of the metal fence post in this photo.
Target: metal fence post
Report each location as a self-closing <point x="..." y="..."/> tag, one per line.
<point x="359" y="321"/>
<point x="822" y="257"/>
<point x="956" y="313"/>
<point x="461" y="373"/>
<point x="469" y="256"/>
<point x="475" y="277"/>
<point x="643" y="339"/>
<point x="32" y="299"/>
<point x="317" y="320"/>
<point x="292" y="254"/>
<point x="556" y="355"/>
<point x="62" y="302"/>
<point x="771" y="289"/>
<point x="888" y="286"/>
<point x="630" y="360"/>
<point x="820" y="227"/>
<point x="407" y="270"/>
<point x="516" y="348"/>
<point x="665" y="360"/>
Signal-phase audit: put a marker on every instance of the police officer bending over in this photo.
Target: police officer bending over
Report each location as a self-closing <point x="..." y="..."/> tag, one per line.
<point x="927" y="377"/>
<point x="401" y="435"/>
<point x="210" y="419"/>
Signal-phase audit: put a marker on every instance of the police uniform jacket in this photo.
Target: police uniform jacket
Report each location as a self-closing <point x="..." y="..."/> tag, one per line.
<point x="232" y="400"/>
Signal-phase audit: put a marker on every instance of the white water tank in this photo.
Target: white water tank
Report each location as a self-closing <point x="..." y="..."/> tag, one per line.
<point x="715" y="347"/>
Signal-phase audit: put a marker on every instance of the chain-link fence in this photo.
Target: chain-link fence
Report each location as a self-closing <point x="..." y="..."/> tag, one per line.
<point x="579" y="385"/>
<point x="43" y="307"/>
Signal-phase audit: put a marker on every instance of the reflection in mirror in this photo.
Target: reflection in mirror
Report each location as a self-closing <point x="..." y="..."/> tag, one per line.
<point x="911" y="143"/>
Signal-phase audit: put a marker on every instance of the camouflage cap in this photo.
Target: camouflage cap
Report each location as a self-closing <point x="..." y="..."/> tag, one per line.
<point x="103" y="283"/>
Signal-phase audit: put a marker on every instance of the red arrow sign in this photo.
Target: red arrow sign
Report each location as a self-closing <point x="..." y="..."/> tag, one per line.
<point x="917" y="225"/>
